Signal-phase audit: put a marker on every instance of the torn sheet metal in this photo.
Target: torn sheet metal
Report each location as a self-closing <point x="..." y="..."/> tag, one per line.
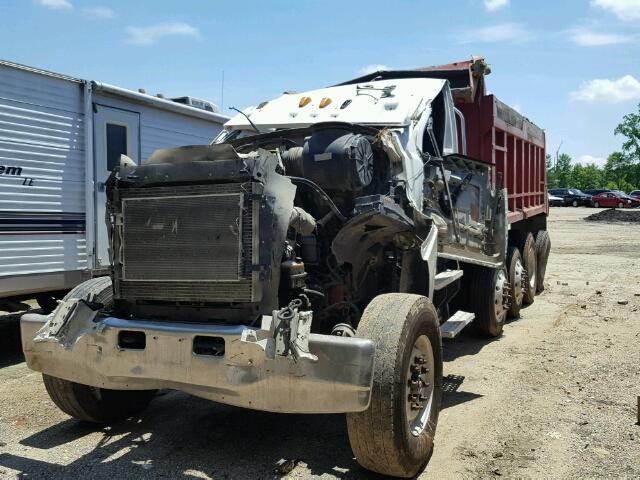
<point x="70" y="320"/>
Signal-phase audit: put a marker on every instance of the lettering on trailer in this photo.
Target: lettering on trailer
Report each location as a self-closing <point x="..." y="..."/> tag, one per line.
<point x="16" y="172"/>
<point x="7" y="170"/>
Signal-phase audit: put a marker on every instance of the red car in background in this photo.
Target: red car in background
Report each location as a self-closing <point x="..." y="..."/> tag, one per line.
<point x="635" y="194"/>
<point x="615" y="199"/>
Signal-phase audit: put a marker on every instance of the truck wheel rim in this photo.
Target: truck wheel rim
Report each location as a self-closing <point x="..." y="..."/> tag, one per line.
<point x="531" y="270"/>
<point x="518" y="282"/>
<point x="500" y="296"/>
<point x="420" y="385"/>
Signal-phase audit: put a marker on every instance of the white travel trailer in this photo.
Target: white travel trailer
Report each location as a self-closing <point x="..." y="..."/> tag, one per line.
<point x="59" y="138"/>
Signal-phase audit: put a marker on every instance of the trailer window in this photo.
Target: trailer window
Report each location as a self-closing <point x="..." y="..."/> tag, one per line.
<point x="116" y="144"/>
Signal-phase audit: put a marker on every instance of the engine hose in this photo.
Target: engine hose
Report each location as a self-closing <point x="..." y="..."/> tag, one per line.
<point x="322" y="194"/>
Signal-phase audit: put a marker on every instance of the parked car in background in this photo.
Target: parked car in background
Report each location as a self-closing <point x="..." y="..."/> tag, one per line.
<point x="597" y="191"/>
<point x="635" y="194"/>
<point x="571" y="196"/>
<point x="555" y="201"/>
<point x="614" y="199"/>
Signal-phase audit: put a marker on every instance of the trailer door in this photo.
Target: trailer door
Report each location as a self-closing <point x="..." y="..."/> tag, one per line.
<point x="115" y="132"/>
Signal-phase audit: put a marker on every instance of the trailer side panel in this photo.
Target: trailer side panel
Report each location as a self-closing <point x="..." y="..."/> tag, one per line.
<point x="42" y="171"/>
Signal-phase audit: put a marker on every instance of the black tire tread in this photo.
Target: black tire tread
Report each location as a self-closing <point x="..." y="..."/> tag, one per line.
<point x="481" y="302"/>
<point x="78" y="400"/>
<point x="543" y="248"/>
<point x="373" y="433"/>
<point x="513" y="254"/>
<point x="528" y="242"/>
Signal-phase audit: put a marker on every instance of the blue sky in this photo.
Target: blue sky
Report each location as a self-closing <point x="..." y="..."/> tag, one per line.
<point x="571" y="66"/>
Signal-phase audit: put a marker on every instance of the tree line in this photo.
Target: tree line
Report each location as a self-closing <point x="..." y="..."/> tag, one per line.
<point x="621" y="170"/>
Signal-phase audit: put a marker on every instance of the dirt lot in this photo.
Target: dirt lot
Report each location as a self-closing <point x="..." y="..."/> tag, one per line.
<point x="555" y="397"/>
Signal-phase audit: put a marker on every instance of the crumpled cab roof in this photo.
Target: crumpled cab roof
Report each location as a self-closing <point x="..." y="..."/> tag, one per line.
<point x="384" y="102"/>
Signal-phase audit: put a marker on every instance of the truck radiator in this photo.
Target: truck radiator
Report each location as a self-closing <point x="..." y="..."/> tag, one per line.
<point x="187" y="243"/>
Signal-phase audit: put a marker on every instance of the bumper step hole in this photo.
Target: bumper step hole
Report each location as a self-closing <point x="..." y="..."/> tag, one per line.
<point x="130" y="340"/>
<point x="212" y="346"/>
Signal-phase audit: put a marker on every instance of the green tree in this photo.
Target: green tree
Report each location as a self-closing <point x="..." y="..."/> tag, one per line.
<point x="619" y="172"/>
<point x="563" y="170"/>
<point x="630" y="128"/>
<point x="586" y="176"/>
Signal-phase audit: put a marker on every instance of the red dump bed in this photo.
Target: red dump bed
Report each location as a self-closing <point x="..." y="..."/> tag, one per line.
<point x="499" y="135"/>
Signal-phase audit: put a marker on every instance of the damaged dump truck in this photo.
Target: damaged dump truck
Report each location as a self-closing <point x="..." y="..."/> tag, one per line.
<point x="311" y="259"/>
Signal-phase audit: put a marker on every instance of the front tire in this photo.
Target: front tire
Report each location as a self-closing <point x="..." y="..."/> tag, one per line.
<point x="93" y="404"/>
<point x="575" y="203"/>
<point x="596" y="204"/>
<point x="395" y="435"/>
<point x="620" y="205"/>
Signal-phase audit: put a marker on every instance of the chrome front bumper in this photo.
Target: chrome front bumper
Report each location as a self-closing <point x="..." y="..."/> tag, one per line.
<point x="338" y="381"/>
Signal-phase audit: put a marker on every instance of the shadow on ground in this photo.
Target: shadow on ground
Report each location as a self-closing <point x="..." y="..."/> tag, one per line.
<point x="180" y="435"/>
<point x="184" y="436"/>
<point x="10" y="346"/>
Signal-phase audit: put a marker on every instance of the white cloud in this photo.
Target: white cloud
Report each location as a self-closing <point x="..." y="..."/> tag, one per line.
<point x="589" y="159"/>
<point x="57" y="4"/>
<point x="588" y="38"/>
<point x="628" y="10"/>
<point x="375" y="67"/>
<point x="608" y="91"/>
<point x="492" y="5"/>
<point x="99" y="12"/>
<point x="145" y="36"/>
<point x="503" y="32"/>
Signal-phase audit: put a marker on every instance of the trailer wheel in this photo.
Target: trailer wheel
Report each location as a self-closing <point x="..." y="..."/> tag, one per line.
<point x="543" y="248"/>
<point x="92" y="404"/>
<point x="394" y="436"/>
<point x="530" y="261"/>
<point x="516" y="279"/>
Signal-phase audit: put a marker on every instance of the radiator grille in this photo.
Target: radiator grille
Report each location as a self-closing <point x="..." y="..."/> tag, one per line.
<point x="191" y="243"/>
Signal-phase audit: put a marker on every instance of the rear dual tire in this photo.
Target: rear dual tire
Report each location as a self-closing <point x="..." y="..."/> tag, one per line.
<point x="516" y="279"/>
<point x="530" y="262"/>
<point x="94" y="404"/>
<point x="395" y="435"/>
<point x="543" y="248"/>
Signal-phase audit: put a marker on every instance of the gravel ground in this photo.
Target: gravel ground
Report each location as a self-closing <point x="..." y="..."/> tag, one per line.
<point x="554" y="397"/>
